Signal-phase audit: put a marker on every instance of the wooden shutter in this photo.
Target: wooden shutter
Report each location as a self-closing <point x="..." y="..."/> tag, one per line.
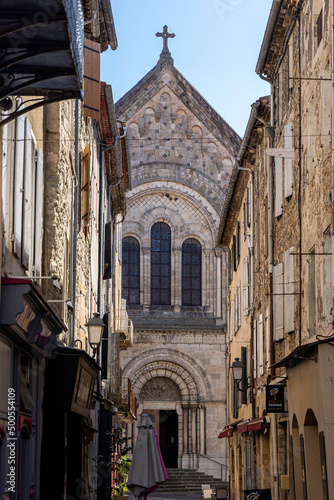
<point x="246" y="287"/>
<point x="260" y="345"/>
<point x="18" y="185"/>
<point x="91" y="79"/>
<point x="85" y="188"/>
<point x="266" y="227"/>
<point x="39" y="197"/>
<point x="278" y="186"/>
<point x="289" y="288"/>
<point x="28" y="182"/>
<point x="288" y="163"/>
<point x="278" y="288"/>
<point x="237" y="249"/>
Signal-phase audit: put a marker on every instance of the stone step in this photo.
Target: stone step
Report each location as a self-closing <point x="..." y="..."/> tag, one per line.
<point x="189" y="480"/>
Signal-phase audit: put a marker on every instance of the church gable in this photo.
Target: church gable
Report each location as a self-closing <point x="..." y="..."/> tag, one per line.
<point x="168" y="141"/>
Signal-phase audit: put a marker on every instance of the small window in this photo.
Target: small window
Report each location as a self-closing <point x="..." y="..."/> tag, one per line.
<point x="191" y="273"/>
<point x="131" y="270"/>
<point x="160" y="264"/>
<point x="319" y="28"/>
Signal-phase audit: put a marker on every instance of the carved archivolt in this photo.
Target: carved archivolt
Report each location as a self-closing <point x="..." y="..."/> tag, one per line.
<point x="160" y="388"/>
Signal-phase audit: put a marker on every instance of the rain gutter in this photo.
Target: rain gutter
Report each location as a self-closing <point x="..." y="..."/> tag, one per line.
<point x="273" y="15"/>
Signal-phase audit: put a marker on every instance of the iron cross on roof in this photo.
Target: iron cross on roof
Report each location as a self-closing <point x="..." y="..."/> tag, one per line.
<point x="165" y="35"/>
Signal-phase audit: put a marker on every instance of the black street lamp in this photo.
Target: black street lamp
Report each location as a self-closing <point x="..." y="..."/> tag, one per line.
<point x="237" y="370"/>
<point x="95" y="328"/>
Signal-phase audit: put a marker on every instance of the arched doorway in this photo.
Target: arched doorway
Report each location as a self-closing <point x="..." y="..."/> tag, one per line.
<point x="165" y="420"/>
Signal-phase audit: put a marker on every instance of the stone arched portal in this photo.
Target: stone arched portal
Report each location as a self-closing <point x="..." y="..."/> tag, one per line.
<point x="161" y="384"/>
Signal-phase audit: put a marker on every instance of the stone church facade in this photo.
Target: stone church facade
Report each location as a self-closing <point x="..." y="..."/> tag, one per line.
<point x="174" y="278"/>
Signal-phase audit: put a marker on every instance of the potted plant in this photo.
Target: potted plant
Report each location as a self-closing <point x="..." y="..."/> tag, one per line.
<point x="122" y="467"/>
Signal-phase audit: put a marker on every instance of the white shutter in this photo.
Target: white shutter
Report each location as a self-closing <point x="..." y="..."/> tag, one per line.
<point x="255" y="349"/>
<point x="278" y="288"/>
<point x="260" y="345"/>
<point x="278" y="186"/>
<point x="289" y="288"/>
<point x="288" y="172"/>
<point x="29" y="175"/>
<point x="267" y="339"/>
<point x="39" y="197"/>
<point x="18" y="185"/>
<point x="246" y="288"/>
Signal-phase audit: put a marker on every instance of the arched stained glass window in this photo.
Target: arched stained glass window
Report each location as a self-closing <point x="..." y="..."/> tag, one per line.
<point x="131" y="270"/>
<point x="160" y="264"/>
<point x="191" y="273"/>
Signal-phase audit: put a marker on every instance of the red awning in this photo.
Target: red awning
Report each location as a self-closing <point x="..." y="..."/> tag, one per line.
<point x="227" y="432"/>
<point x="242" y="426"/>
<point x="256" y="424"/>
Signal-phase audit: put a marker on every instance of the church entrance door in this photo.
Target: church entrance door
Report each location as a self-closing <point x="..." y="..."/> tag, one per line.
<point x="166" y="424"/>
<point x="168" y="437"/>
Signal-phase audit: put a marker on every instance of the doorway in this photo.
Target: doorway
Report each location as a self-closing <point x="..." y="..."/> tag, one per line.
<point x="166" y="425"/>
<point x="168" y="437"/>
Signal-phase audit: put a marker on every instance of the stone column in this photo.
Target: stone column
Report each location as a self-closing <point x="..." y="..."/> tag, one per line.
<point x="185" y="450"/>
<point x="218" y="253"/>
<point x="146" y="278"/>
<point x="202" y="430"/>
<point x="193" y="430"/>
<point x="177" y="295"/>
<point x="206" y="278"/>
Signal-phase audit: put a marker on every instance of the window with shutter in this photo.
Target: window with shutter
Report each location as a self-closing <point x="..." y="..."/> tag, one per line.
<point x="85" y="189"/>
<point x="260" y="345"/>
<point x="289" y="288"/>
<point x="288" y="163"/>
<point x="266" y="227"/>
<point x="327" y="276"/>
<point x="28" y="195"/>
<point x="91" y="79"/>
<point x="234" y="252"/>
<point x="312" y="293"/>
<point x="239" y="304"/>
<point x="107" y="273"/>
<point x="278" y="289"/>
<point x="39" y="208"/>
<point x="278" y="186"/>
<point x="255" y="349"/>
<point x="243" y="383"/>
<point x="18" y="185"/>
<point x="246" y="287"/>
<point x="267" y="333"/>
<point x="237" y="243"/>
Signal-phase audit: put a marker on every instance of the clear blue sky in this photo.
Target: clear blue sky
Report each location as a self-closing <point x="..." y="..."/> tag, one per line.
<point x="216" y="47"/>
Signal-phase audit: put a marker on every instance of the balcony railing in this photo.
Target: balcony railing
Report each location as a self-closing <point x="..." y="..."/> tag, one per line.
<point x="124" y="325"/>
<point x="125" y="400"/>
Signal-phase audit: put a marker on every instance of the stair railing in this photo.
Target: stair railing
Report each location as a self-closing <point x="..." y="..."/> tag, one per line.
<point x="216" y="461"/>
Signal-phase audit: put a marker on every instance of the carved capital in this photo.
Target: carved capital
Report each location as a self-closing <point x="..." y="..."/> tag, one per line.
<point x="218" y="252"/>
<point x="146" y="251"/>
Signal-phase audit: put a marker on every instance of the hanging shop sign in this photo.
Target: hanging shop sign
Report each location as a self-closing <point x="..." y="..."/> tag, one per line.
<point x="257" y="494"/>
<point x="275" y="398"/>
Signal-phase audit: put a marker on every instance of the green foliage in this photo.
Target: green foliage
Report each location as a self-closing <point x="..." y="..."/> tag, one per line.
<point x="122" y="466"/>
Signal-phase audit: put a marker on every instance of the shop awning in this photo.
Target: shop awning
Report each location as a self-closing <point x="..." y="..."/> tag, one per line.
<point x="227" y="432"/>
<point x="27" y="317"/>
<point x="300" y="353"/>
<point x="256" y="424"/>
<point x="242" y="426"/>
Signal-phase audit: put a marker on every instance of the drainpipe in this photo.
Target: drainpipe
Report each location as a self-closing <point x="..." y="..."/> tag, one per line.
<point x="332" y="191"/>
